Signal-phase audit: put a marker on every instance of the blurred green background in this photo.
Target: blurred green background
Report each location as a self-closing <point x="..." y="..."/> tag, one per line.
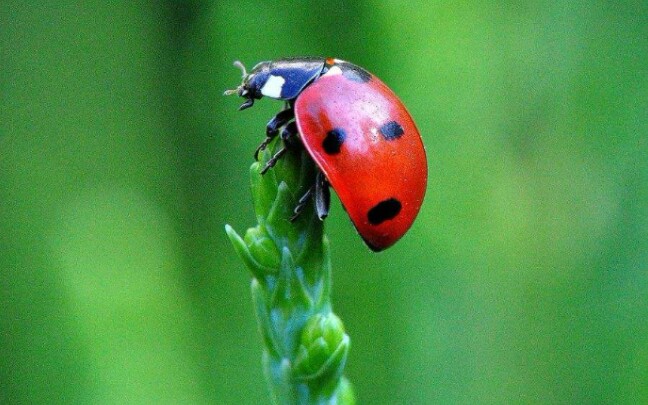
<point x="524" y="280"/>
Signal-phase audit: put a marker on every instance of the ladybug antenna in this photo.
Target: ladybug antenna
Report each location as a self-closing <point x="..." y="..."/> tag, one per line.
<point x="239" y="65"/>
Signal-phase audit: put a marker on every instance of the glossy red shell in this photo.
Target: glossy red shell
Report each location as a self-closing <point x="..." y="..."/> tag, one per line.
<point x="369" y="168"/>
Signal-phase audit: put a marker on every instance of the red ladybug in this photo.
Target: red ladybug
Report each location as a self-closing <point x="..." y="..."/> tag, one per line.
<point x="357" y="131"/>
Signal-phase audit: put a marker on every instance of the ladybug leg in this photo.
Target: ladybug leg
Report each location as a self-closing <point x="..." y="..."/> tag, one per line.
<point x="301" y="204"/>
<point x="322" y="198"/>
<point x="247" y="104"/>
<point x="262" y="146"/>
<point x="273" y="160"/>
<point x="272" y="129"/>
<point x="279" y="120"/>
<point x="289" y="137"/>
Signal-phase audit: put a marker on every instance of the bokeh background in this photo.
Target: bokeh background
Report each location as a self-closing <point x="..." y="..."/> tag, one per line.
<point x="524" y="280"/>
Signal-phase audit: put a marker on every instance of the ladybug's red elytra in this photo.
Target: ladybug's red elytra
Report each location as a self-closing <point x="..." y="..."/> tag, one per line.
<point x="357" y="131"/>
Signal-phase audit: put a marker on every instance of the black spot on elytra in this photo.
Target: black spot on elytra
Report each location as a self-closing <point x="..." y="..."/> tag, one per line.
<point x="391" y="130"/>
<point x="333" y="141"/>
<point x="354" y="73"/>
<point x="383" y="211"/>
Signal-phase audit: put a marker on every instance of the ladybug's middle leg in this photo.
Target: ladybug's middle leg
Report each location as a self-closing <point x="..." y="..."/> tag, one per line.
<point x="322" y="198"/>
<point x="301" y="204"/>
<point x="322" y="195"/>
<point x="272" y="129"/>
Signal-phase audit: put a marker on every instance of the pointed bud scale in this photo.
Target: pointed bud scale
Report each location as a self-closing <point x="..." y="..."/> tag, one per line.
<point x="263" y="248"/>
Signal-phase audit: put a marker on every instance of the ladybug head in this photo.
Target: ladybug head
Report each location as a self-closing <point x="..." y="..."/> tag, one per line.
<point x="252" y="84"/>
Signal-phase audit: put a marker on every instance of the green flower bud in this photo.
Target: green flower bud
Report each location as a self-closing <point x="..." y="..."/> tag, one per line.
<point x="329" y="327"/>
<point x="323" y="348"/>
<point x="262" y="248"/>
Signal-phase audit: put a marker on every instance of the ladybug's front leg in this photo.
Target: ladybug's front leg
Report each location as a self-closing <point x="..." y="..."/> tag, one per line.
<point x="288" y="136"/>
<point x="272" y="129"/>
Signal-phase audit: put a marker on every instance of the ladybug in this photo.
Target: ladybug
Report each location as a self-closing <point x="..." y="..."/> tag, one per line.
<point x="357" y="131"/>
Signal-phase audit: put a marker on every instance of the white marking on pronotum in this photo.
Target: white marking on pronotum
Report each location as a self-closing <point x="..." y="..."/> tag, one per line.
<point x="272" y="87"/>
<point x="335" y="70"/>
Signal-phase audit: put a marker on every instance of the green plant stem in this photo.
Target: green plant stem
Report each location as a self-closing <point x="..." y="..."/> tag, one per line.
<point x="305" y="345"/>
